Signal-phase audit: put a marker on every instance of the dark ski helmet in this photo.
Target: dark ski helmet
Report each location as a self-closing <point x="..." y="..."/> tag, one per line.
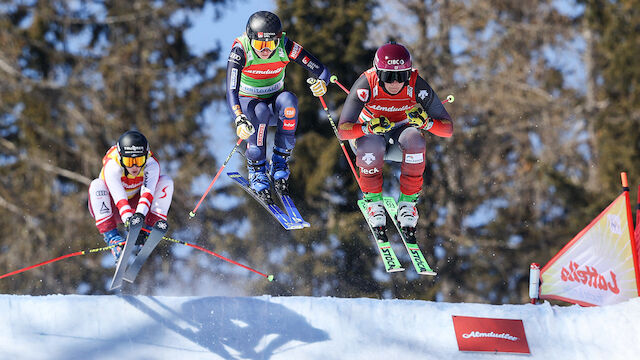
<point x="393" y="62"/>
<point x="131" y="145"/>
<point x="264" y="26"/>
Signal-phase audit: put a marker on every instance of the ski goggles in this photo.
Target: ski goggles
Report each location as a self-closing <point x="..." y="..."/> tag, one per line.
<point x="137" y="161"/>
<point x="391" y="76"/>
<point x="259" y="44"/>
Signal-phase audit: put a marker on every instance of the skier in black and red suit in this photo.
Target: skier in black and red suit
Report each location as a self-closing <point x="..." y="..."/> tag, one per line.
<point x="386" y="115"/>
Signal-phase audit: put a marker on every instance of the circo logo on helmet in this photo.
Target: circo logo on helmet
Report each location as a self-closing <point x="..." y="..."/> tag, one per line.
<point x="395" y="62"/>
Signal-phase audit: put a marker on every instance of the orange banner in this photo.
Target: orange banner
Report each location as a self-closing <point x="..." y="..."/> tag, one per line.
<point x="598" y="266"/>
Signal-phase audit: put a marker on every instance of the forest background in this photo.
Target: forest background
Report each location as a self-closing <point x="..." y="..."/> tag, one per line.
<point x="547" y="100"/>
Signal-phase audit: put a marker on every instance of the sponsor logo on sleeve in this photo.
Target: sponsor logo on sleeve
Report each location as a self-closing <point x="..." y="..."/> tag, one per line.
<point x="234" y="79"/>
<point x="295" y="51"/>
<point x="233" y="57"/>
<point x="310" y="64"/>
<point x="363" y="94"/>
<point x="422" y="94"/>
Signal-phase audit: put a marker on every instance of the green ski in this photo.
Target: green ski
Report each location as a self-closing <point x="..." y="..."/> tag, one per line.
<point x="389" y="258"/>
<point x="417" y="258"/>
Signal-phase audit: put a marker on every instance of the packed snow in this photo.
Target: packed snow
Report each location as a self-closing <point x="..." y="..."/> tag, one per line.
<point x="264" y="327"/>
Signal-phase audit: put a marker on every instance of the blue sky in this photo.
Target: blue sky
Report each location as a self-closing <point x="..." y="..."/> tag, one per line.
<point x="206" y="31"/>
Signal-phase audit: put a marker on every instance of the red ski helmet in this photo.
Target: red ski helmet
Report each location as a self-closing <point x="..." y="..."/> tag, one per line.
<point x="392" y="62"/>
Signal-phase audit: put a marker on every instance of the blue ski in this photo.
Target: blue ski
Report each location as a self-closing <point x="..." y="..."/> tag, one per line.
<point x="282" y="189"/>
<point x="271" y="207"/>
<point x="291" y="209"/>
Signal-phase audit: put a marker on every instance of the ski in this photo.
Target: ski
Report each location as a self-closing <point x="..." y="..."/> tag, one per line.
<point x="271" y="207"/>
<point x="389" y="258"/>
<point x="287" y="202"/>
<point x="291" y="209"/>
<point x="158" y="231"/>
<point x="134" y="229"/>
<point x="417" y="258"/>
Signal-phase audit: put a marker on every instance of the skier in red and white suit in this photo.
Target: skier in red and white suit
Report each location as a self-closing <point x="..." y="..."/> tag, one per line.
<point x="130" y="183"/>
<point x="387" y="112"/>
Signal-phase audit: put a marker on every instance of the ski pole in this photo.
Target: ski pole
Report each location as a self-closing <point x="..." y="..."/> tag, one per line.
<point x="335" y="131"/>
<point x="84" y="252"/>
<point x="334" y="79"/>
<point x="269" y="277"/>
<point x="77" y="253"/>
<point x="193" y="212"/>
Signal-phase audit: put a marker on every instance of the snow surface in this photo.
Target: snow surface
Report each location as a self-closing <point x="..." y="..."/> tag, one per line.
<point x="141" y="327"/>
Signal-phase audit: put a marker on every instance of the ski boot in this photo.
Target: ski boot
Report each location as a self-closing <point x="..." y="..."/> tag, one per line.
<point x="279" y="169"/>
<point x="376" y="214"/>
<point x="408" y="216"/>
<point x="113" y="238"/>
<point x="259" y="180"/>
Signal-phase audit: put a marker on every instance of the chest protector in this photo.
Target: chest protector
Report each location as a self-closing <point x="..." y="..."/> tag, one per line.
<point x="380" y="103"/>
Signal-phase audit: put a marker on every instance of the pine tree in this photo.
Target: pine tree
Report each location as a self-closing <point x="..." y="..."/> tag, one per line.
<point x="335" y="256"/>
<point x="76" y="77"/>
<point x="502" y="191"/>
